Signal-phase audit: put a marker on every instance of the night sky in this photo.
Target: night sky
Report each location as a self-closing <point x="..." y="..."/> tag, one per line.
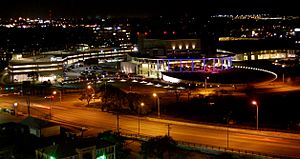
<point x="79" y="8"/>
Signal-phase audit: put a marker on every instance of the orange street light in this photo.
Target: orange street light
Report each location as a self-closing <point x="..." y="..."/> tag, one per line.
<point x="255" y="103"/>
<point x="54" y="93"/>
<point x="158" y="104"/>
<point x="139" y="120"/>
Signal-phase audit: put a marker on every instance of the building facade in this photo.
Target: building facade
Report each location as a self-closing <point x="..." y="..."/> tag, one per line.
<point x="86" y="148"/>
<point x="178" y="55"/>
<point x="49" y="66"/>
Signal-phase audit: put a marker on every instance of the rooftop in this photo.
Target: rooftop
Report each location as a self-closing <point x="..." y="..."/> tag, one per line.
<point x="68" y="148"/>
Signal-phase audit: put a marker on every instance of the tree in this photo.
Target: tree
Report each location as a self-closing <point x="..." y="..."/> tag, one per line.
<point x="113" y="98"/>
<point x="134" y="100"/>
<point x="159" y="146"/>
<point x="88" y="94"/>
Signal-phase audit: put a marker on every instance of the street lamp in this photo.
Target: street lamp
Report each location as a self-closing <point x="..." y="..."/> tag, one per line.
<point x="205" y="82"/>
<point x="139" y="122"/>
<point x="54" y="93"/>
<point x="89" y="86"/>
<point x="158" y="104"/>
<point x="90" y="94"/>
<point x="255" y="103"/>
<point x="283" y="66"/>
<point x="15" y="108"/>
<point x="52" y="102"/>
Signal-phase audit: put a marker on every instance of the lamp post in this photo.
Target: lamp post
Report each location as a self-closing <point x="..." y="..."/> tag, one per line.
<point x="90" y="92"/>
<point x="89" y="86"/>
<point x="139" y="120"/>
<point x="283" y="66"/>
<point x="205" y="82"/>
<point x="158" y="104"/>
<point x="255" y="103"/>
<point x="54" y="93"/>
<point x="52" y="102"/>
<point x="15" y="108"/>
<point x="103" y="77"/>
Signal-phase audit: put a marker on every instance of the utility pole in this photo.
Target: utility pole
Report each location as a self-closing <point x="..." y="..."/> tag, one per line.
<point x="28" y="104"/>
<point x="26" y="88"/>
<point x="169" y="129"/>
<point x="227" y="131"/>
<point x="118" y="122"/>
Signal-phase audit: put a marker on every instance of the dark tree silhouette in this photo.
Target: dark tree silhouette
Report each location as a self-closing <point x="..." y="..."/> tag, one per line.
<point x="159" y="146"/>
<point x="134" y="101"/>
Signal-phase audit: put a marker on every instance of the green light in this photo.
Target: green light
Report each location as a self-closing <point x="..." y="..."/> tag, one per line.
<point x="51" y="157"/>
<point x="101" y="157"/>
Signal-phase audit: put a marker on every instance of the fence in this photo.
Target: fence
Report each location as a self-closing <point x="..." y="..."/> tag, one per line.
<point x="212" y="149"/>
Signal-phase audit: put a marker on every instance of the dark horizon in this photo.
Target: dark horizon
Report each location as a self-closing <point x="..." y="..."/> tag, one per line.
<point x="75" y="8"/>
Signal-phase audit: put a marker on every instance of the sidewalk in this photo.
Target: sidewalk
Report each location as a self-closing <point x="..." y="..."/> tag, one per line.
<point x="237" y="130"/>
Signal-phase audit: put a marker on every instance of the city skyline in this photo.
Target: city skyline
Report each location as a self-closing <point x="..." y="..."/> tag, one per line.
<point x="219" y="77"/>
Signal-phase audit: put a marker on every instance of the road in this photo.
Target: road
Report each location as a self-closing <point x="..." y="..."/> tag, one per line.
<point x="98" y="121"/>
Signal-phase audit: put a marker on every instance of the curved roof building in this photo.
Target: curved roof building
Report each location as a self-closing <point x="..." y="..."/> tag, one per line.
<point x="181" y="55"/>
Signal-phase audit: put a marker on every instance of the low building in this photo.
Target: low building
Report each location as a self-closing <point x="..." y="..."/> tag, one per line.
<point x="13" y="137"/>
<point x="41" y="128"/>
<point x="85" y="148"/>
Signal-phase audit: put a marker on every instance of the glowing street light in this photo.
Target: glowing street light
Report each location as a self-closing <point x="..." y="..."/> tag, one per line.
<point x="283" y="66"/>
<point x="158" y="104"/>
<point x="139" y="122"/>
<point x="54" y="93"/>
<point x="15" y="108"/>
<point x="90" y="94"/>
<point x="51" y="102"/>
<point x="255" y="103"/>
<point x="89" y="86"/>
<point x="205" y="82"/>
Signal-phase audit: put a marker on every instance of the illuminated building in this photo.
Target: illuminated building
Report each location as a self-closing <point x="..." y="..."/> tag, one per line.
<point x="156" y="56"/>
<point x="267" y="54"/>
<point x="48" y="66"/>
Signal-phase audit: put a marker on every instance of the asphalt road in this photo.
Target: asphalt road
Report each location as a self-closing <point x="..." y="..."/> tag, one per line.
<point x="97" y="121"/>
